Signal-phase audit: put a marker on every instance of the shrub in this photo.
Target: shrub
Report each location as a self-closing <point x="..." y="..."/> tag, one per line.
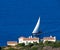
<point x="30" y="44"/>
<point x="57" y="44"/>
<point x="41" y="44"/>
<point x="35" y="43"/>
<point x="21" y="44"/>
<point x="11" y="49"/>
<point x="34" y="48"/>
<point x="49" y="43"/>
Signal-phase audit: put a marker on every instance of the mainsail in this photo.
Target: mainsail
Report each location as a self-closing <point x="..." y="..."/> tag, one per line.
<point x="37" y="26"/>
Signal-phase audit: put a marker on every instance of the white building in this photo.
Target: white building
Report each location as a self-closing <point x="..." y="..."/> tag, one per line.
<point x="52" y="39"/>
<point x="28" y="40"/>
<point x="11" y="43"/>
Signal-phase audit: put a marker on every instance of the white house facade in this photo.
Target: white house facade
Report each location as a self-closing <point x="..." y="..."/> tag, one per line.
<point x="28" y="40"/>
<point x="11" y="43"/>
<point x="52" y="39"/>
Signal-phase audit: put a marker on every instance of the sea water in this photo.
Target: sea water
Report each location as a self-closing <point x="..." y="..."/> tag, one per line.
<point x="18" y="18"/>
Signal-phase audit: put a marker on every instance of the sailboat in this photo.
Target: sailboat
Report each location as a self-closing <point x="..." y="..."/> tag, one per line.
<point x="36" y="29"/>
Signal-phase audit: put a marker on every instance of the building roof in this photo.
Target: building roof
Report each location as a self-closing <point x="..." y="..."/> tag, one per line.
<point x="31" y="39"/>
<point x="49" y="38"/>
<point x="28" y="38"/>
<point x="11" y="42"/>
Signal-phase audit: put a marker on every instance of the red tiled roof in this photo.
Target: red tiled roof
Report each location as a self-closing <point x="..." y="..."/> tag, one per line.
<point x="48" y="38"/>
<point x="29" y="38"/>
<point x="11" y="42"/>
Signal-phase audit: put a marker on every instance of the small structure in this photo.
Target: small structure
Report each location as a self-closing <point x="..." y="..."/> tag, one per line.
<point x="52" y="39"/>
<point x="12" y="43"/>
<point x="28" y="40"/>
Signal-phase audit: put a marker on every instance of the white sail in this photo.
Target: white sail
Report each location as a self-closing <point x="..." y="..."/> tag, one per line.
<point x="37" y="26"/>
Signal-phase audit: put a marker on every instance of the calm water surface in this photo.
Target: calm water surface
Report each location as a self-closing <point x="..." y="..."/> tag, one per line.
<point x="19" y="17"/>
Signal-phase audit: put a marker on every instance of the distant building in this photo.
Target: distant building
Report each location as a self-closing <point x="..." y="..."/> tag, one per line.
<point x="28" y="40"/>
<point x="52" y="39"/>
<point x="12" y="43"/>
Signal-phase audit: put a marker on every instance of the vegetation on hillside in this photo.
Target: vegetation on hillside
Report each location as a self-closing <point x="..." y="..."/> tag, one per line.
<point x="32" y="46"/>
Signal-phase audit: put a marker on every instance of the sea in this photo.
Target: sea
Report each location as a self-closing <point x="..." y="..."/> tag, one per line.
<point x="19" y="17"/>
